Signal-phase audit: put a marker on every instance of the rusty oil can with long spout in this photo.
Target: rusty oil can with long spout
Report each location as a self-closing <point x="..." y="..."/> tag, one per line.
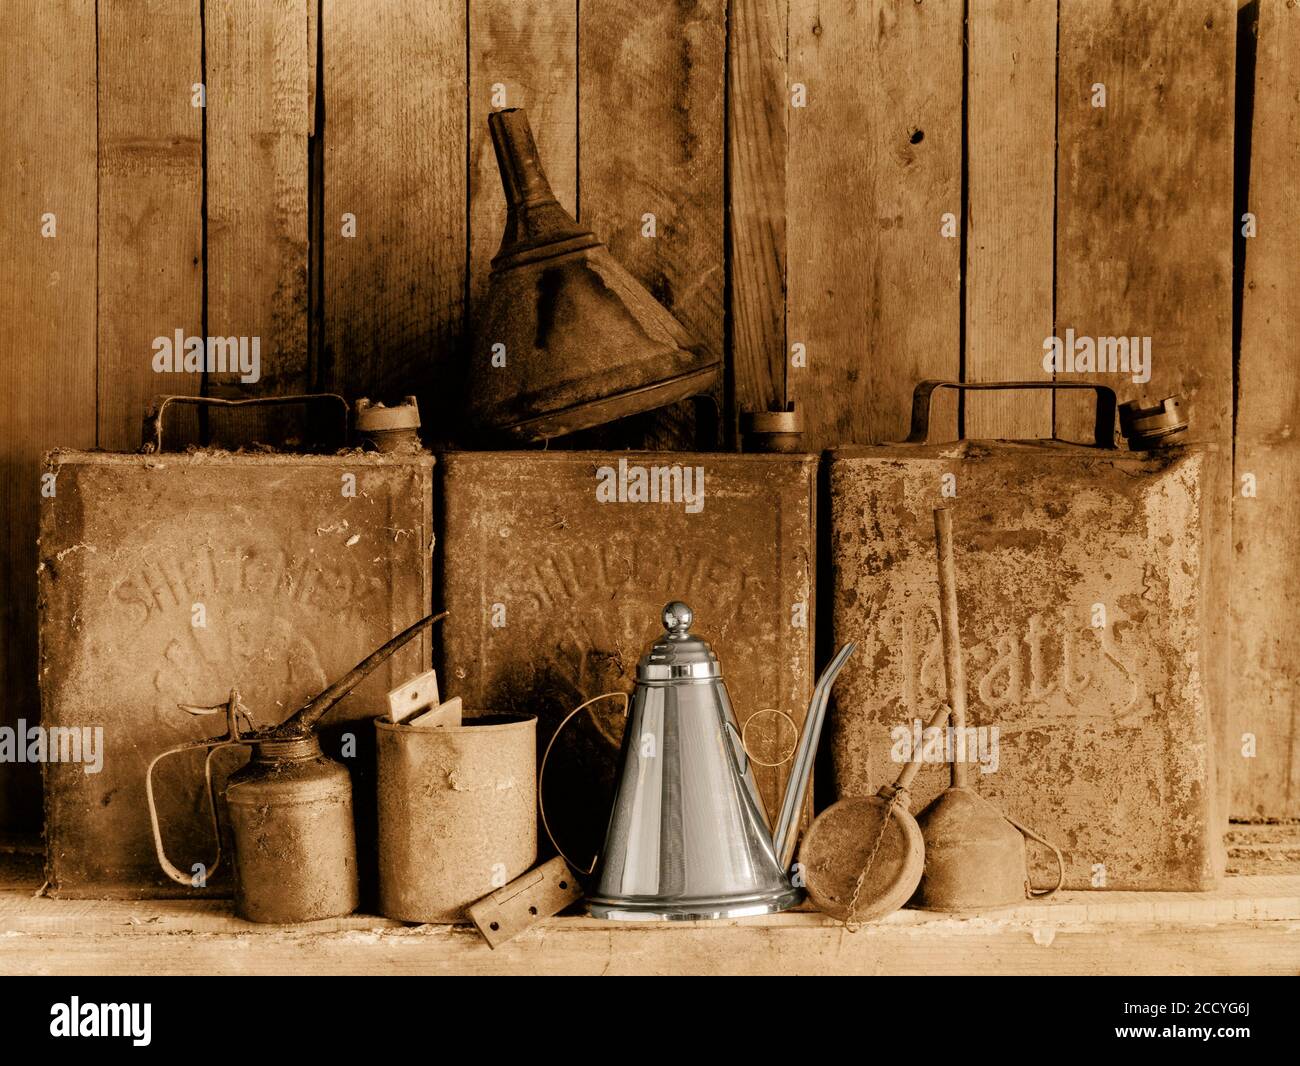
<point x="290" y="807"/>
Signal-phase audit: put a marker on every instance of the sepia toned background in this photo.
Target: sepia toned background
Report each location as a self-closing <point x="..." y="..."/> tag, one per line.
<point x="776" y="225"/>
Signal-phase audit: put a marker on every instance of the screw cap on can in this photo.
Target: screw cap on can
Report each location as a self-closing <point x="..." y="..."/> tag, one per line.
<point x="375" y="417"/>
<point x="1154" y="426"/>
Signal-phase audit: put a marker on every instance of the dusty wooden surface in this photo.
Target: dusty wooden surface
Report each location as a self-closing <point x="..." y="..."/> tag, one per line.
<point x="1249" y="926"/>
<point x="47" y="318"/>
<point x="1263" y="848"/>
<point x="1010" y="205"/>
<point x="874" y="164"/>
<point x="1266" y="526"/>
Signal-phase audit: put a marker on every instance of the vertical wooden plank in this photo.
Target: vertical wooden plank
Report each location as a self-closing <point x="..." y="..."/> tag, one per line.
<point x="1266" y="526"/>
<point x="47" y="320"/>
<point x="650" y="117"/>
<point x="757" y="107"/>
<point x="259" y="116"/>
<point x="394" y="81"/>
<point x="521" y="55"/>
<point x="874" y="164"/>
<point x="1144" y="237"/>
<point x="1010" y="208"/>
<point x="1144" y="227"/>
<point x="313" y="52"/>
<point x="150" y="204"/>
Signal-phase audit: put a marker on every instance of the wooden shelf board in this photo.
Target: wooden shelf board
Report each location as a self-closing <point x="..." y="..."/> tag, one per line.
<point x="1250" y="925"/>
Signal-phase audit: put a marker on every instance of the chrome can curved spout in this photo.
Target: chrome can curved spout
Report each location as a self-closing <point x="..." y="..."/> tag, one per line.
<point x="787" y="824"/>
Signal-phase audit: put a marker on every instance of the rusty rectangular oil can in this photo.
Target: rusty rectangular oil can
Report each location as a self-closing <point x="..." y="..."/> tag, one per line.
<point x="172" y="578"/>
<point x="1080" y="574"/>
<point x="554" y="595"/>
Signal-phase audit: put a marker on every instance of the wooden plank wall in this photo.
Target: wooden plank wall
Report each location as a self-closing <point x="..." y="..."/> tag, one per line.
<point x="258" y="117"/>
<point x="1010" y="211"/>
<point x="393" y="84"/>
<point x="1266" y="474"/>
<point x="150" y="236"/>
<point x="47" y="318"/>
<point x="893" y="189"/>
<point x="874" y="162"/>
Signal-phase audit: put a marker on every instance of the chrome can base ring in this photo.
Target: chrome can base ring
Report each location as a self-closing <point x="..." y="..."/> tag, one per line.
<point x="632" y="910"/>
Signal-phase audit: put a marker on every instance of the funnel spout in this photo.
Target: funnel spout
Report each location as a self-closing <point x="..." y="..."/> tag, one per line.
<point x="796" y="789"/>
<point x="534" y="218"/>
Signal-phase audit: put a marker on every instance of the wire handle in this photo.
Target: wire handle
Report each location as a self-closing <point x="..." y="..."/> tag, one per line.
<point x="177" y="875"/>
<point x="541" y="775"/>
<point x="1042" y="893"/>
<point x="744" y="737"/>
<point x="152" y="443"/>
<point x="234" y="709"/>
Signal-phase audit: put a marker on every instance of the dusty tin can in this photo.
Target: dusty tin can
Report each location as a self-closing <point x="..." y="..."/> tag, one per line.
<point x="457" y="813"/>
<point x="1086" y="633"/>
<point x="559" y="564"/>
<point x="169" y="579"/>
<point x="295" y="848"/>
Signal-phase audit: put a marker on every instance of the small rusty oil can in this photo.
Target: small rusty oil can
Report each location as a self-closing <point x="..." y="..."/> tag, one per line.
<point x="558" y="564"/>
<point x="295" y="848"/>
<point x="1086" y="632"/>
<point x="170" y="578"/>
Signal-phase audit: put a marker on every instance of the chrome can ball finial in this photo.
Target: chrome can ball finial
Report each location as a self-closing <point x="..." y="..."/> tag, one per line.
<point x="677" y="618"/>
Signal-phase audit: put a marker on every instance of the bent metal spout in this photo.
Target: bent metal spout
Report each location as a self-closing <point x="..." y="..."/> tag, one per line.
<point x="304" y="721"/>
<point x="787" y="824"/>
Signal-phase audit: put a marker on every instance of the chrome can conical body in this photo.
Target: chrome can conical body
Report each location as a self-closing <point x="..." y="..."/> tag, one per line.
<point x="688" y="837"/>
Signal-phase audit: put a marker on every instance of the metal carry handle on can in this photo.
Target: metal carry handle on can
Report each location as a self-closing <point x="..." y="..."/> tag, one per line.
<point x="541" y="775"/>
<point x="1041" y="893"/>
<point x="153" y="419"/>
<point x="923" y="394"/>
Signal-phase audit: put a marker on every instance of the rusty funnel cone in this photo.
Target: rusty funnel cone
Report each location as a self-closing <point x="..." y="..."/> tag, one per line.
<point x="567" y="339"/>
<point x="975" y="856"/>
